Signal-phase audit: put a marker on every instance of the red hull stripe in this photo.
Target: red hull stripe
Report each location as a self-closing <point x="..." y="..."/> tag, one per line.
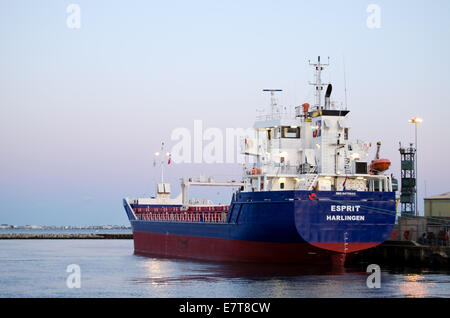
<point x="214" y="249"/>
<point x="345" y="247"/>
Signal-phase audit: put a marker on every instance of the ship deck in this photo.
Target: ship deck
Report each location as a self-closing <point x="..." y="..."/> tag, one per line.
<point x="210" y="214"/>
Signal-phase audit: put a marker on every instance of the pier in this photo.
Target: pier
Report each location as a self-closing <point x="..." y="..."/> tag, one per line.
<point x="69" y="236"/>
<point x="416" y="242"/>
<point x="406" y="253"/>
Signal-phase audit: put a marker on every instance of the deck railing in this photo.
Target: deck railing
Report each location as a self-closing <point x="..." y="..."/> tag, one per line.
<point x="208" y="214"/>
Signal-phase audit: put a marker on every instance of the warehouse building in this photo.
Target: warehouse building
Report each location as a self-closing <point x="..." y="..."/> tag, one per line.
<point x="438" y="206"/>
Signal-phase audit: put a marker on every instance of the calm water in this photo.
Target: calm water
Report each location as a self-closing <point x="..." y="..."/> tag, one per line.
<point x="37" y="268"/>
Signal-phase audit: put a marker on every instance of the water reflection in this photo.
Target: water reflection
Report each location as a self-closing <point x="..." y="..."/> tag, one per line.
<point x="262" y="271"/>
<point x="168" y="277"/>
<point x="203" y="279"/>
<point x="161" y="269"/>
<point x="110" y="269"/>
<point x="414" y="285"/>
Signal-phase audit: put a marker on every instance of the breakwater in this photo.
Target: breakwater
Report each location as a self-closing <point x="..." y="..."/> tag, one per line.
<point x="65" y="236"/>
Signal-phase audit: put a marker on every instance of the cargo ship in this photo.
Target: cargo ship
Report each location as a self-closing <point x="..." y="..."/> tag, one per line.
<point x="310" y="195"/>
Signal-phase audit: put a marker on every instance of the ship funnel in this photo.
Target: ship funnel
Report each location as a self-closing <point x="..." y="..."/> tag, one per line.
<point x="327" y="96"/>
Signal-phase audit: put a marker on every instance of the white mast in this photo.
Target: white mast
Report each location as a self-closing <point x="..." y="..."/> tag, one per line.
<point x="318" y="84"/>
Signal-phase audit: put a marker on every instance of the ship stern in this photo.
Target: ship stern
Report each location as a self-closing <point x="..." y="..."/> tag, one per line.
<point x="345" y="222"/>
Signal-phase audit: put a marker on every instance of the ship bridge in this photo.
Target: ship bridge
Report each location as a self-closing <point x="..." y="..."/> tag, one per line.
<point x="298" y="148"/>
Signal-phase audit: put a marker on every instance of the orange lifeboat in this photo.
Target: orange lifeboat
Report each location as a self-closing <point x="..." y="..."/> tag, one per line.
<point x="380" y="165"/>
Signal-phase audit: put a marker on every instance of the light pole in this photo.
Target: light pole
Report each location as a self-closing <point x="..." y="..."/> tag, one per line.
<point x="416" y="121"/>
<point x="157" y="154"/>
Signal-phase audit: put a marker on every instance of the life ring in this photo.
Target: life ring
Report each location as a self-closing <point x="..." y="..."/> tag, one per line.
<point x="312" y="196"/>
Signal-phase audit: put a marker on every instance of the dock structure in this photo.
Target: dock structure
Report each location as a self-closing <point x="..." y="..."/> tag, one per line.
<point x="408" y="254"/>
<point x="415" y="241"/>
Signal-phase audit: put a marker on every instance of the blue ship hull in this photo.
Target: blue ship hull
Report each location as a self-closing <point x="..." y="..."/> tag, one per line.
<point x="276" y="226"/>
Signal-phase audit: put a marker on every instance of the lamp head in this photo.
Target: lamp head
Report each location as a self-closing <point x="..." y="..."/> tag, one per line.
<point x="416" y="120"/>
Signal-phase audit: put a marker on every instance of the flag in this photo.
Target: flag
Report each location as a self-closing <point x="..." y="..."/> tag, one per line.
<point x="168" y="162"/>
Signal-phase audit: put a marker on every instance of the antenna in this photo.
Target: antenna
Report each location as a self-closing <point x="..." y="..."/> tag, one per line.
<point x="273" y="100"/>
<point x="318" y="84"/>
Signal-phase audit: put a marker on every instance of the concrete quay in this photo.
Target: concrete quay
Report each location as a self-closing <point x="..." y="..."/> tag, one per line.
<point x="406" y="253"/>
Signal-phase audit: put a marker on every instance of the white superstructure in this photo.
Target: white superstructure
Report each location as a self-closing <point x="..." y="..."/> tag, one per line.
<point x="307" y="149"/>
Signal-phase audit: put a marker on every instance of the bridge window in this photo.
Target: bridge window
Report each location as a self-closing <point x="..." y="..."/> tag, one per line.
<point x="290" y="132"/>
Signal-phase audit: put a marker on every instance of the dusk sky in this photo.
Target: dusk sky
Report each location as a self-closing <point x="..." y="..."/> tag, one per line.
<point x="82" y="110"/>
